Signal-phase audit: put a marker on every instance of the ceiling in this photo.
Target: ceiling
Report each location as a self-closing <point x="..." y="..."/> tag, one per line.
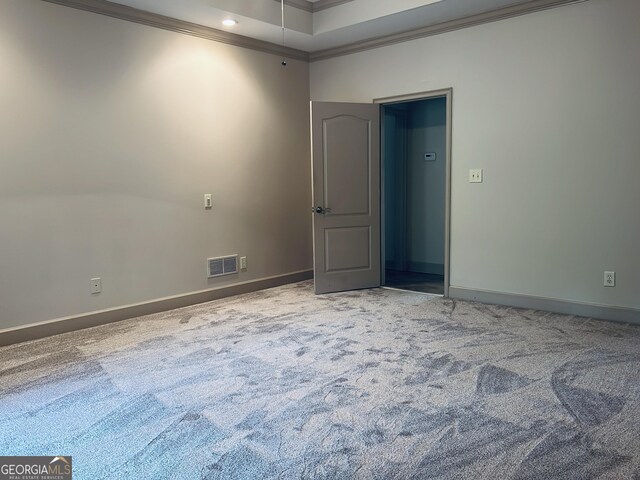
<point x="316" y="25"/>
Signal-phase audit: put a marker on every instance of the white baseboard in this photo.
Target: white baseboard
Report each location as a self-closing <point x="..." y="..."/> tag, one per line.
<point x="603" y="312"/>
<point x="34" y="331"/>
<point x="425" y="267"/>
<point x="420" y="267"/>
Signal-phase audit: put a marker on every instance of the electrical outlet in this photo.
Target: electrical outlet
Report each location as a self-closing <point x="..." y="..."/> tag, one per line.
<point x="243" y="263"/>
<point x="609" y="279"/>
<point x="96" y="285"/>
<point x="208" y="202"/>
<point x="475" y="175"/>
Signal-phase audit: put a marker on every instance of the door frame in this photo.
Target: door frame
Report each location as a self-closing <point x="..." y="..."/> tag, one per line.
<point x="448" y="94"/>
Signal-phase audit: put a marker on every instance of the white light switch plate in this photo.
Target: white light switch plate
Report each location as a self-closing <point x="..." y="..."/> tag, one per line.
<point x="208" y="202"/>
<point x="475" y="175"/>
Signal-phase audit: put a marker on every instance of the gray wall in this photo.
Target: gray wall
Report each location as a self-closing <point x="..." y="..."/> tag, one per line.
<point x="426" y="185"/>
<point x="110" y="134"/>
<point x="547" y="104"/>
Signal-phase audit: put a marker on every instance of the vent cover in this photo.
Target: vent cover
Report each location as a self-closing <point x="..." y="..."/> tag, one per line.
<point x="219" y="266"/>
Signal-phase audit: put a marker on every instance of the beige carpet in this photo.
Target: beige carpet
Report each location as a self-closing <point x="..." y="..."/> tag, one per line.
<point x="368" y="384"/>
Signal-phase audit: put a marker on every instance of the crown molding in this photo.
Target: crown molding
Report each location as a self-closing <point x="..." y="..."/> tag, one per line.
<point x="300" y="4"/>
<point x="312" y="7"/>
<point x="123" y="12"/>
<point x="457" y="24"/>
<point x="324" y="4"/>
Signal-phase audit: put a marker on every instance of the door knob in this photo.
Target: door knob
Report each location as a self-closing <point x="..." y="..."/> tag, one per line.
<point x="321" y="210"/>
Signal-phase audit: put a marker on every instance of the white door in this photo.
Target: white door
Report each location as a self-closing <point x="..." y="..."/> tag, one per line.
<point x="345" y="139"/>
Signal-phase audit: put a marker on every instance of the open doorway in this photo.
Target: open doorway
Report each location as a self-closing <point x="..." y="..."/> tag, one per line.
<point x="415" y="194"/>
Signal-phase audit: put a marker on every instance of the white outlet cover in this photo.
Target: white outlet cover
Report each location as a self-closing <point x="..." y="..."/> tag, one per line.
<point x="475" y="175"/>
<point x="609" y="279"/>
<point x="96" y="285"/>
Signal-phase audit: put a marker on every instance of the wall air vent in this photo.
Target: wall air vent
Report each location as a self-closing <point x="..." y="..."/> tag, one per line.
<point x="219" y="266"/>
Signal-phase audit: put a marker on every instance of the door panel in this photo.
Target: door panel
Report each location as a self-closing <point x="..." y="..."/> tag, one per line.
<point x="346" y="160"/>
<point x="346" y="195"/>
<point x="343" y="248"/>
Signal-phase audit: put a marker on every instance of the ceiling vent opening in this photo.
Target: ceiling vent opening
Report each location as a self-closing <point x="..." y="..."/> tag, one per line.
<point x="218" y="266"/>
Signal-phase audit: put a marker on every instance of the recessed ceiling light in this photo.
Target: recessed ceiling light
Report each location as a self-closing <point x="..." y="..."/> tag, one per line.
<point x="229" y="22"/>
